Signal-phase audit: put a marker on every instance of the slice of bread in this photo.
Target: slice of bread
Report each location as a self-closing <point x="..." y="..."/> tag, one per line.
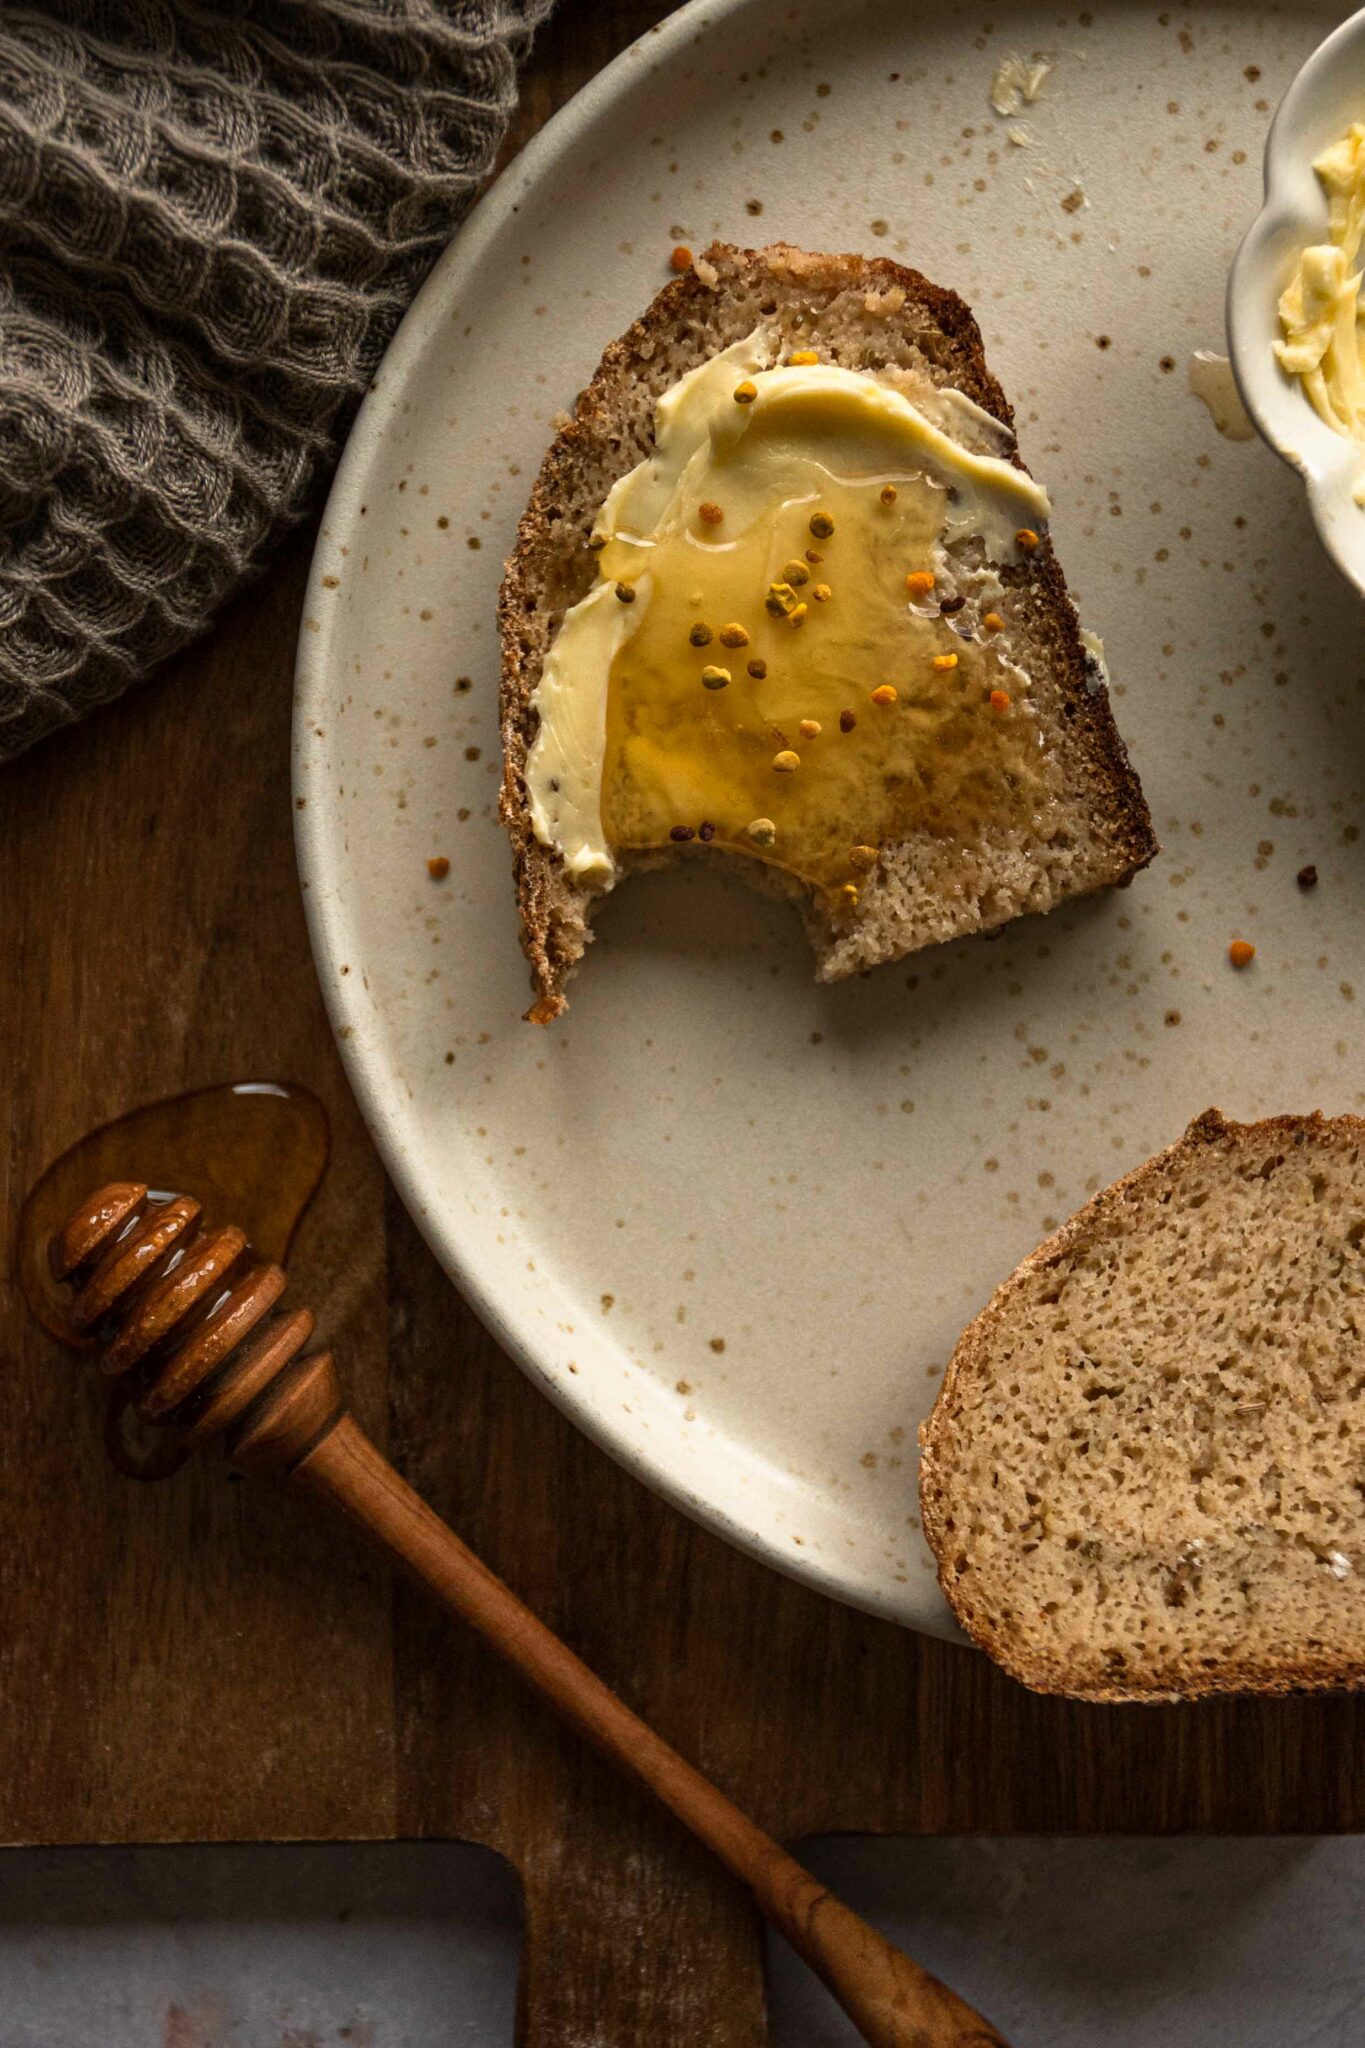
<point x="1144" y="1475"/>
<point x="870" y="316"/>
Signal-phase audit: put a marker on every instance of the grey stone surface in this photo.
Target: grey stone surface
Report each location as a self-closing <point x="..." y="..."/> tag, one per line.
<point x="380" y="1945"/>
<point x="1253" y="1943"/>
<point x="1073" y="1943"/>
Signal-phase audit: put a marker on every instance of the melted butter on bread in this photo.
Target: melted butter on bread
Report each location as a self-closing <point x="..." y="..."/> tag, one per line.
<point x="772" y="666"/>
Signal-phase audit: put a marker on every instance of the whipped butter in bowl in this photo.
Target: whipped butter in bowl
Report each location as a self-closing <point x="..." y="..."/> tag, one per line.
<point x="1320" y="308"/>
<point x="1294" y="311"/>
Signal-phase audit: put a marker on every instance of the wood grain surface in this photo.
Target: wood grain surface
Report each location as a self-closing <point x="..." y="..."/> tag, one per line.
<point x="206" y="1659"/>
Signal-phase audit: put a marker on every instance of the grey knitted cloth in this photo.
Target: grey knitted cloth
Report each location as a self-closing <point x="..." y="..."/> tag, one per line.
<point x="211" y="220"/>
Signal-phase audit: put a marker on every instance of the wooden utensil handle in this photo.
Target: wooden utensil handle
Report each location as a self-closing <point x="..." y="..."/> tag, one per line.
<point x="145" y="1274"/>
<point x="891" y="2000"/>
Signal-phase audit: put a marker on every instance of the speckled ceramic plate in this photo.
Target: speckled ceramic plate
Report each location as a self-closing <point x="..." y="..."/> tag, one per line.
<point x="731" y="1221"/>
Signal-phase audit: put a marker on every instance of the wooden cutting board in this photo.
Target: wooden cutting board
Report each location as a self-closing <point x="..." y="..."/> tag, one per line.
<point x="206" y="1659"/>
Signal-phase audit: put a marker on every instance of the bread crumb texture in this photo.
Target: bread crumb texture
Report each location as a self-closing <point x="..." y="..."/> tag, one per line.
<point x="1144" y="1476"/>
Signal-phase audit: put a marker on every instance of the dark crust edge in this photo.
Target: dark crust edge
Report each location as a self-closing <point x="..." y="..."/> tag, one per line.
<point x="543" y="889"/>
<point x="973" y="1357"/>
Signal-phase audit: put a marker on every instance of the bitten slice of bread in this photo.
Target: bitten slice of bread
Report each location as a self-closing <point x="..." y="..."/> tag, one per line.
<point x="1144" y="1475"/>
<point x="876" y="317"/>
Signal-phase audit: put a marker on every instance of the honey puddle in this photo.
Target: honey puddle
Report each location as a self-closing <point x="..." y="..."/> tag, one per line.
<point x="838" y="714"/>
<point x="252" y="1152"/>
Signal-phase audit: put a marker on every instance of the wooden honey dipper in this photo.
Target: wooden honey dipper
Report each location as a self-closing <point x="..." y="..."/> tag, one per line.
<point x="189" y="1324"/>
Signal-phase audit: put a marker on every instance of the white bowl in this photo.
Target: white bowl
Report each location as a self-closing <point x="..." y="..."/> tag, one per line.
<point x="1325" y="98"/>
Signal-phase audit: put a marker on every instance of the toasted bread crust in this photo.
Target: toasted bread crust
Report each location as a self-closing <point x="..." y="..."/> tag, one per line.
<point x="974" y="1360"/>
<point x="551" y="566"/>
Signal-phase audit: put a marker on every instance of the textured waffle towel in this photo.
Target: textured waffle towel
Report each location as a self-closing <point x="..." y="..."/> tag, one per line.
<point x="211" y="220"/>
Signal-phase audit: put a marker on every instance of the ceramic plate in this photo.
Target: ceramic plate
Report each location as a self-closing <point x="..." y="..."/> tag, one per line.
<point x="731" y="1221"/>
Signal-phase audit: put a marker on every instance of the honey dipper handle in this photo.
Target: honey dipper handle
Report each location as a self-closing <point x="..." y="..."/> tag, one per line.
<point x="892" y="2001"/>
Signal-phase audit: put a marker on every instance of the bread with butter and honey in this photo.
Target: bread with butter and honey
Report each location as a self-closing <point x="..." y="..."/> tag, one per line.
<point x="784" y="593"/>
<point x="1144" y="1475"/>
